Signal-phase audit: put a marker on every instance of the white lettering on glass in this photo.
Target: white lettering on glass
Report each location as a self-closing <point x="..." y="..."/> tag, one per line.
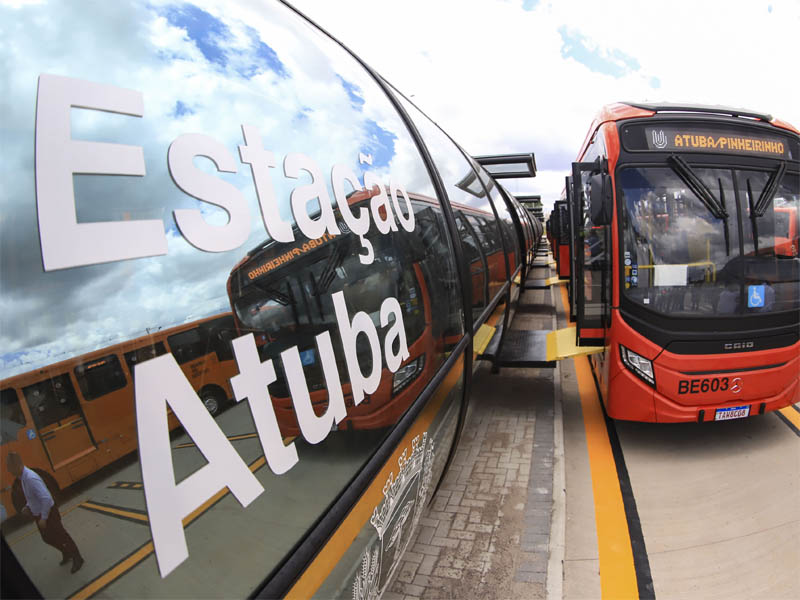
<point x="379" y="204"/>
<point x="65" y="242"/>
<point x="302" y="195"/>
<point x="251" y="384"/>
<point x="315" y="428"/>
<point x="361" y="384"/>
<point x="207" y="188"/>
<point x="160" y="381"/>
<point x="261" y="161"/>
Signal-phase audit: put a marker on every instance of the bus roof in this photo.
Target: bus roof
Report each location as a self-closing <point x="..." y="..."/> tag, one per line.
<point x="618" y="111"/>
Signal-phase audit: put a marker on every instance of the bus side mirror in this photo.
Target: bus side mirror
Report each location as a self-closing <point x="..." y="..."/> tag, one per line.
<point x="601" y="199"/>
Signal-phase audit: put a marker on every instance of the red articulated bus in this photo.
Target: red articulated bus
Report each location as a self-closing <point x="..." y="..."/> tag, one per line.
<point x="685" y="262"/>
<point x="270" y="300"/>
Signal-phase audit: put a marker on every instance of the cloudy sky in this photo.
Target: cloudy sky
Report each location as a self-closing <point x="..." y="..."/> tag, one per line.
<point x="528" y="75"/>
<point x="499" y="75"/>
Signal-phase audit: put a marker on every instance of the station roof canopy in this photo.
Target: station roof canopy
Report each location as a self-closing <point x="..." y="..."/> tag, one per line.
<point x="534" y="200"/>
<point x="509" y="166"/>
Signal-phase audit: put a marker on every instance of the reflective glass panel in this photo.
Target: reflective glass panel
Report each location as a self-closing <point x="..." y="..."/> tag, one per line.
<point x="229" y="282"/>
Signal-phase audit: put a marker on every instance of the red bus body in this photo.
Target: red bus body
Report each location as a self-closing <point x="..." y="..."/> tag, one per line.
<point x="701" y="372"/>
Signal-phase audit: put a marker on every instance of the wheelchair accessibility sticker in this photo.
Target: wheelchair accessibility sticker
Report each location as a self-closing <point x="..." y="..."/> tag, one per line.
<point x="755" y="296"/>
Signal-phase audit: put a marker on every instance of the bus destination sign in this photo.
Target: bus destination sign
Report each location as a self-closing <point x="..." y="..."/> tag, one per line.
<point x="691" y="139"/>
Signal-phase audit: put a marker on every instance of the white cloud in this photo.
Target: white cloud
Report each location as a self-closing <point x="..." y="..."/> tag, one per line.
<point x="493" y="75"/>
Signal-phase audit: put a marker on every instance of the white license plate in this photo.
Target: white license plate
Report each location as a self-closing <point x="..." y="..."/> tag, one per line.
<point x="734" y="412"/>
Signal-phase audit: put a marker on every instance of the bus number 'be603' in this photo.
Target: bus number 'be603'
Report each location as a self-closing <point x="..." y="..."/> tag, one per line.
<point x="701" y="386"/>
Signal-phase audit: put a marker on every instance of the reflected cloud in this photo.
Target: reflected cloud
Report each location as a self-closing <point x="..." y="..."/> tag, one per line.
<point x="199" y="71"/>
<point x="221" y="45"/>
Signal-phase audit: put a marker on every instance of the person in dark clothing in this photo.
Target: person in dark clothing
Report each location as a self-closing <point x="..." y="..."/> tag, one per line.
<point x="41" y="506"/>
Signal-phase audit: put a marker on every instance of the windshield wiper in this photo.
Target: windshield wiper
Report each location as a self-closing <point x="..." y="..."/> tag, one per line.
<point x="759" y="207"/>
<point x="273" y="294"/>
<point x="714" y="206"/>
<point x="768" y="193"/>
<point x="328" y="274"/>
<point x="697" y="186"/>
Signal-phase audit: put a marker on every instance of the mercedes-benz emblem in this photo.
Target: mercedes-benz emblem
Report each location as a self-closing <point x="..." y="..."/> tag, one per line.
<point x="736" y="385"/>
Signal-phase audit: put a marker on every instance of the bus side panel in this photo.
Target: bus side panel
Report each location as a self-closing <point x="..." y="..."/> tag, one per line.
<point x="628" y="397"/>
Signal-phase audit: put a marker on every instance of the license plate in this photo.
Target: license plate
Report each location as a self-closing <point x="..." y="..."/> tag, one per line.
<point x="734" y="412"/>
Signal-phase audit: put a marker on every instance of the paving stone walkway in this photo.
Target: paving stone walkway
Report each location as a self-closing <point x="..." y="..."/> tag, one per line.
<point x="487" y="532"/>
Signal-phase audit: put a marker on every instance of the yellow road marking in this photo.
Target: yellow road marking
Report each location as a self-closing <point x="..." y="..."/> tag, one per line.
<point x="565" y="304"/>
<point x="617" y="573"/>
<point x="117" y="571"/>
<point x="139" y="555"/>
<point x="792" y="415"/>
<point x="232" y="438"/>
<point x="34" y="530"/>
<point x="121" y="512"/>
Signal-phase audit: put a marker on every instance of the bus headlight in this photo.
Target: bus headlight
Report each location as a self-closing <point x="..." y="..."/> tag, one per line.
<point x="640" y="366"/>
<point x="407" y="373"/>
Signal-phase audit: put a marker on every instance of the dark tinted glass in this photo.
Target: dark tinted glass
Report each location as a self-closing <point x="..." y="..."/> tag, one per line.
<point x="468" y="199"/>
<point x="144" y="353"/>
<point x="100" y="376"/>
<point x="504" y="219"/>
<point x="11" y="417"/>
<point x="51" y="400"/>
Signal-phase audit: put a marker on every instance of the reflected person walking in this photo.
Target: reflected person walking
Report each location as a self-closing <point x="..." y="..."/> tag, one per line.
<point x="41" y="506"/>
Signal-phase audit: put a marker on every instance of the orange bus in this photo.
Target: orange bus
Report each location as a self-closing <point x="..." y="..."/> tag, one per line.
<point x="683" y="266"/>
<point x="73" y="417"/>
<point x="281" y="288"/>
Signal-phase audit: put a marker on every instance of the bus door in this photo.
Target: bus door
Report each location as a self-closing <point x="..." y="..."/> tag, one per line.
<point x="563" y="234"/>
<point x="58" y="417"/>
<point x="570" y="227"/>
<point x="592" y="203"/>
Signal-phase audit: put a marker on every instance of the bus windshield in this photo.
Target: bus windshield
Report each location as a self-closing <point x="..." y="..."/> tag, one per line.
<point x="729" y="253"/>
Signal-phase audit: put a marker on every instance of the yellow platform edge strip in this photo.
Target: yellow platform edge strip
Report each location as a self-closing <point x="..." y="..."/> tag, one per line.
<point x="482" y="338"/>
<point x="561" y="344"/>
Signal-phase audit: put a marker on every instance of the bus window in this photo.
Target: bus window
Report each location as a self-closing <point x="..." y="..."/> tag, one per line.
<point x="440" y="274"/>
<point x="507" y="233"/>
<point x="134" y="357"/>
<point x="51" y="400"/>
<point x="220" y="332"/>
<point x="100" y="377"/>
<point x="476" y="260"/>
<point x="188" y="345"/>
<point x="11" y="417"/>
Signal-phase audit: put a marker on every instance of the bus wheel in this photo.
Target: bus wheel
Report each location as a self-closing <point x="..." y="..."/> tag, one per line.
<point x="213" y="399"/>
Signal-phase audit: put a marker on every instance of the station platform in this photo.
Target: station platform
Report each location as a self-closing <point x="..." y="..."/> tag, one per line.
<point x="548" y="498"/>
